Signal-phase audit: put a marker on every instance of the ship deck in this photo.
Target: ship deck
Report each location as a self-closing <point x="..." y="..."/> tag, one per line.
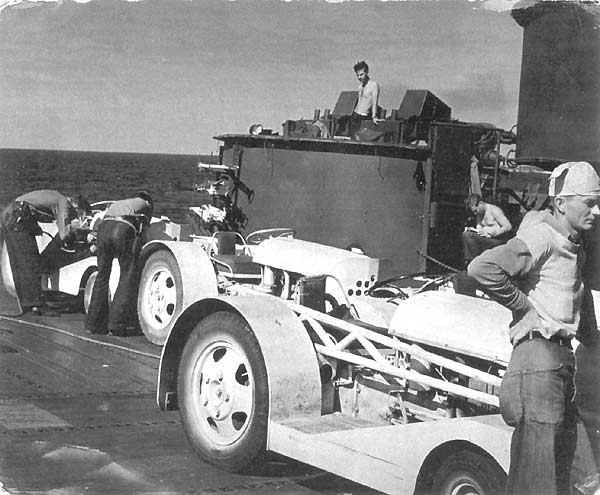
<point x="78" y="415"/>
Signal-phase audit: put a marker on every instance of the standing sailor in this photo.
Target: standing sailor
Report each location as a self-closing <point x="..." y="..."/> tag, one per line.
<point x="119" y="236"/>
<point x="19" y="222"/>
<point x="368" y="98"/>
<point x="538" y="276"/>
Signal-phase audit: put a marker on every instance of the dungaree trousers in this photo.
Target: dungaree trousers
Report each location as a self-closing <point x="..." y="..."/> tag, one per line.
<point x="115" y="240"/>
<point x="19" y="234"/>
<point x="537" y="399"/>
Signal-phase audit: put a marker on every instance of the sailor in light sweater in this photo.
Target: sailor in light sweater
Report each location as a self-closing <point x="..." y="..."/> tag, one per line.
<point x="538" y="276"/>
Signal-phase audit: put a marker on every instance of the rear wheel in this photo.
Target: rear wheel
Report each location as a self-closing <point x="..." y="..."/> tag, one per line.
<point x="223" y="393"/>
<point x="160" y="296"/>
<point x="469" y="473"/>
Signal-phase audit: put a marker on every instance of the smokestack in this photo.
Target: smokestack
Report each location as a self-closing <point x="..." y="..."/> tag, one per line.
<point x="559" y="98"/>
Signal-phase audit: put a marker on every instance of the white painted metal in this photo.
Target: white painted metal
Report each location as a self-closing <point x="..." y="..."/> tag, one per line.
<point x="473" y="326"/>
<point x="390" y="342"/>
<point x="289" y="355"/>
<point x="226" y="404"/>
<point x="386" y="458"/>
<point x="309" y="258"/>
<point x="197" y="274"/>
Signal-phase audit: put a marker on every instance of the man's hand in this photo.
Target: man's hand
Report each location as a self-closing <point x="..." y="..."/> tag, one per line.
<point x="484" y="232"/>
<point x="523" y="323"/>
<point x="376" y="120"/>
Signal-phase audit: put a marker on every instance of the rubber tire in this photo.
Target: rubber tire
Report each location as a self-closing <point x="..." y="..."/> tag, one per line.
<point x="481" y="473"/>
<point x="160" y="259"/>
<point x="248" y="453"/>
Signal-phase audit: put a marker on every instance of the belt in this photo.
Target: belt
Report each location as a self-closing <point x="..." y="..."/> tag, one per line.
<point x="555" y="339"/>
<point x="126" y="221"/>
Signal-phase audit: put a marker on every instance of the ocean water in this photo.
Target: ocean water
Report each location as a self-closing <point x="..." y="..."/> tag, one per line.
<point x="105" y="176"/>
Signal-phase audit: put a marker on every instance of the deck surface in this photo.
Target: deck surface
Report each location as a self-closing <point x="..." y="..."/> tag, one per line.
<point x="78" y="415"/>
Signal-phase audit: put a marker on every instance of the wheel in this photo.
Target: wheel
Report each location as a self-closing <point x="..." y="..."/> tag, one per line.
<point x="469" y="473"/>
<point x="160" y="296"/>
<point x="223" y="393"/>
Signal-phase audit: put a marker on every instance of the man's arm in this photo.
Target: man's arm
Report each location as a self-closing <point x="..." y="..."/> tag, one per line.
<point x="495" y="269"/>
<point x="502" y="226"/>
<point x="63" y="214"/>
<point x="375" y="102"/>
<point x="69" y="226"/>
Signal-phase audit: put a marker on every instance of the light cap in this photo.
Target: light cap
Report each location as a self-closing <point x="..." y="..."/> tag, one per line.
<point x="574" y="179"/>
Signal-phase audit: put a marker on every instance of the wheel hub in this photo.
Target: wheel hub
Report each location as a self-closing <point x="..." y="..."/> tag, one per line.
<point x="224" y="383"/>
<point x="161" y="298"/>
<point x="216" y="399"/>
<point x="157" y="299"/>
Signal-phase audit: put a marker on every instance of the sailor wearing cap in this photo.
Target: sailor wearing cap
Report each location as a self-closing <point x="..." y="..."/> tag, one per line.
<point x="538" y="276"/>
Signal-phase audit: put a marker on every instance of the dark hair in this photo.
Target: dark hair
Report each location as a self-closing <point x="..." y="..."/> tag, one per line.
<point x="473" y="200"/>
<point x="80" y="202"/>
<point x="361" y="65"/>
<point x="145" y="195"/>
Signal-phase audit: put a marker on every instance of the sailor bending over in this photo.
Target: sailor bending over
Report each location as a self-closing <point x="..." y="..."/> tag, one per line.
<point x="120" y="236"/>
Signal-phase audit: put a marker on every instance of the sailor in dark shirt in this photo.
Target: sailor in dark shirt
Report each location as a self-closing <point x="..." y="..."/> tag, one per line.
<point x="119" y="236"/>
<point x="19" y="221"/>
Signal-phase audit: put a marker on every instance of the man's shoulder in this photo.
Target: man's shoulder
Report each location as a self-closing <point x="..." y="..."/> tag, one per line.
<point x="127" y="207"/>
<point x="372" y="84"/>
<point x="494" y="209"/>
<point x="537" y="236"/>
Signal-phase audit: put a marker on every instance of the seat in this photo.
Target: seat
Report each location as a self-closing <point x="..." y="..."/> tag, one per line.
<point x="231" y="264"/>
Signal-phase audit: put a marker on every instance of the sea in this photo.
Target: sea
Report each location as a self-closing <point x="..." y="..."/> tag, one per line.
<point x="102" y="176"/>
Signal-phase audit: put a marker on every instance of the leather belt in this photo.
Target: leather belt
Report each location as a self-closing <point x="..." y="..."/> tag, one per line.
<point x="555" y="339"/>
<point x="126" y="221"/>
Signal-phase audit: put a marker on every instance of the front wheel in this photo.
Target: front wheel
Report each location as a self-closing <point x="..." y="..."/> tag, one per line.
<point x="160" y="297"/>
<point x="223" y="393"/>
<point x="469" y="473"/>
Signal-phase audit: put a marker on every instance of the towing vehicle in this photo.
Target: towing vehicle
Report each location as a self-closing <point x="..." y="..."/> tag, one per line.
<point x="389" y="381"/>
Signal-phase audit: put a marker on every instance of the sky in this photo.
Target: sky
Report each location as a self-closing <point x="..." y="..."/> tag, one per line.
<point x="165" y="76"/>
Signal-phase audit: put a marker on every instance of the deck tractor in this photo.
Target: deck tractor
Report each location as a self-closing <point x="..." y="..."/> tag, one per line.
<point x="307" y="342"/>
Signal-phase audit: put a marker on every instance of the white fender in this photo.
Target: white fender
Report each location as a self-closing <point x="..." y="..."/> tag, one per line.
<point x="198" y="275"/>
<point x="288" y="352"/>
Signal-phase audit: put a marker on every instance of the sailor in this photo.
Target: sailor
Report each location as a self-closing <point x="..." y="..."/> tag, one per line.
<point x="120" y="236"/>
<point x="20" y="227"/>
<point x="491" y="228"/>
<point x="538" y="276"/>
<point x="368" y="98"/>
